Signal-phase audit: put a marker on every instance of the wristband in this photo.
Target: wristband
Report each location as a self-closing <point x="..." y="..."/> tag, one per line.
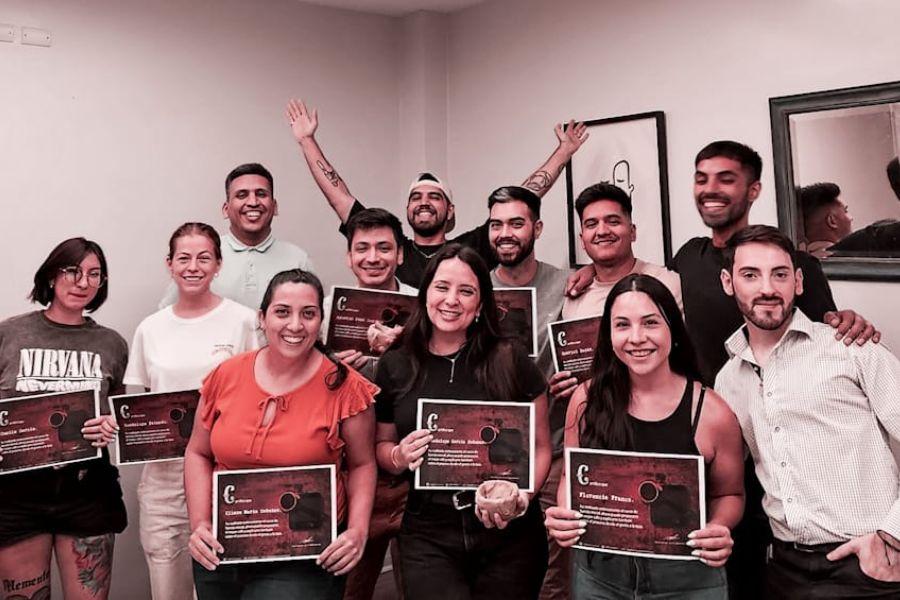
<point x="394" y="461"/>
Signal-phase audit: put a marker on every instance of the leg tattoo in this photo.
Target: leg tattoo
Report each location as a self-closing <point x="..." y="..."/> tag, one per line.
<point x="21" y="588"/>
<point x="93" y="559"/>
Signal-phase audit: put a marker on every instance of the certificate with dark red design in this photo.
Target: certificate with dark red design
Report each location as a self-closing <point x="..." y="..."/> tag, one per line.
<point x="153" y="427"/>
<point x="474" y="442"/>
<point x="637" y="503"/>
<point x="353" y="310"/>
<point x="265" y="515"/>
<point x="517" y="310"/>
<point x="45" y="430"/>
<point x="572" y="344"/>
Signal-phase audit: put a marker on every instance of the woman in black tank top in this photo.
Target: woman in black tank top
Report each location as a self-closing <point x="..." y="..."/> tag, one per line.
<point x="643" y="398"/>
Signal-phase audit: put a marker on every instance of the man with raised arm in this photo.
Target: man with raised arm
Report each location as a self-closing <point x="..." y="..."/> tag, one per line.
<point x="430" y="208"/>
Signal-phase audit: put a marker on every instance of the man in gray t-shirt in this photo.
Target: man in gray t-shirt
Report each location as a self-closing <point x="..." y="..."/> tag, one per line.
<point x="514" y="225"/>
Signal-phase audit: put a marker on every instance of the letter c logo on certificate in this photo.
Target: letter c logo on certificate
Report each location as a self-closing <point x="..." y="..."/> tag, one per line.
<point x="4" y="418"/>
<point x="228" y="494"/>
<point x="342" y="303"/>
<point x="561" y="339"/>
<point x="431" y="422"/>
<point x="581" y="474"/>
<point x="125" y="411"/>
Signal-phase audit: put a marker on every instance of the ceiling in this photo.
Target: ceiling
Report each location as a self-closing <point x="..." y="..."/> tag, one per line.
<point x="397" y="8"/>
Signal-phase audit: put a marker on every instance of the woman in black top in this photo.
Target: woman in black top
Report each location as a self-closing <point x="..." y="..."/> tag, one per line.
<point x="645" y="397"/>
<point x="451" y="349"/>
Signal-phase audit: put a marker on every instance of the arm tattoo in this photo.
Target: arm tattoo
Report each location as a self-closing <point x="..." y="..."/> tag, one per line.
<point x="539" y="181"/>
<point x="329" y="173"/>
<point x="93" y="558"/>
<point x="23" y="587"/>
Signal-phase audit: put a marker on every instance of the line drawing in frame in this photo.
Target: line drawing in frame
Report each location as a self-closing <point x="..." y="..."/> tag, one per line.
<point x="629" y="152"/>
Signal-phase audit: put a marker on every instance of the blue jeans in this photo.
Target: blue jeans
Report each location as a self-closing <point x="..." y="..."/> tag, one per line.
<point x="601" y="576"/>
<point x="282" y="580"/>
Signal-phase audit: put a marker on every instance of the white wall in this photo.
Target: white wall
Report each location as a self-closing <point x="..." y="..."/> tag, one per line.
<point x="516" y="66"/>
<point x="128" y="124"/>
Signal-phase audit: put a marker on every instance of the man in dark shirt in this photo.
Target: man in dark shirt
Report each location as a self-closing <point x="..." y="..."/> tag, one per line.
<point x="726" y="183"/>
<point x="430" y="211"/>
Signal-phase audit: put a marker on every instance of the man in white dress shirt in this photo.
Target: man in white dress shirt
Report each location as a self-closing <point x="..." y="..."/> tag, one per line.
<point x="818" y="417"/>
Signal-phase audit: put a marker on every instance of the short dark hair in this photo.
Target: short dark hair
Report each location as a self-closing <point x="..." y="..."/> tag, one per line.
<point x="758" y="234"/>
<point x="742" y="153"/>
<point x="816" y="196"/>
<point x="893" y="175"/>
<point x="602" y="191"/>
<point x="249" y="169"/>
<point x="197" y="228"/>
<point x="69" y="253"/>
<point x="370" y="218"/>
<point x="513" y="193"/>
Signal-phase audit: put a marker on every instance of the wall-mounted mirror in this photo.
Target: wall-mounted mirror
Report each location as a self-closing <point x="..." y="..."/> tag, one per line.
<point x="837" y="177"/>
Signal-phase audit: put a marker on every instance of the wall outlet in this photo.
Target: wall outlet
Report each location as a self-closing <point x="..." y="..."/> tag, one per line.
<point x="36" y="37"/>
<point x="7" y="32"/>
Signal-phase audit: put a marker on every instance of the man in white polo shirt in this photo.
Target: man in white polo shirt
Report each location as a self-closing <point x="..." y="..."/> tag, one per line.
<point x="251" y="255"/>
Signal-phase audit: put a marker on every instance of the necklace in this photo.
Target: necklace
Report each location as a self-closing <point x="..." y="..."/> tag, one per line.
<point x="424" y="254"/>
<point x="452" y="358"/>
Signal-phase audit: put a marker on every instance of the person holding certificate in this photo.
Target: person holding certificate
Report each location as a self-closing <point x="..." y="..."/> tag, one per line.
<point x="173" y="349"/>
<point x="291" y="403"/>
<point x="645" y="397"/>
<point x="451" y="349"/>
<point x="74" y="510"/>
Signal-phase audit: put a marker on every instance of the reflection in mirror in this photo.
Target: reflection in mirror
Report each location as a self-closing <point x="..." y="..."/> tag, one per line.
<point x="847" y="181"/>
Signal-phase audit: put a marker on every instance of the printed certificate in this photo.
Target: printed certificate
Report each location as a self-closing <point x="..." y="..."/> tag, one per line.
<point x="572" y="344"/>
<point x="264" y="515"/>
<point x="45" y="430"/>
<point x="153" y="427"/>
<point x="517" y="310"/>
<point x="636" y="503"/>
<point x="476" y="441"/>
<point x="353" y="310"/>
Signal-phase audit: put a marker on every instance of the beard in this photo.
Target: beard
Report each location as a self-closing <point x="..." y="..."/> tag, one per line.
<point x="428" y="229"/>
<point x="736" y="211"/>
<point x="516" y="259"/>
<point x="763" y="321"/>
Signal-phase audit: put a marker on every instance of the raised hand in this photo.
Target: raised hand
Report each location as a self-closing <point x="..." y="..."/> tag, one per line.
<point x="571" y="137"/>
<point x="302" y="121"/>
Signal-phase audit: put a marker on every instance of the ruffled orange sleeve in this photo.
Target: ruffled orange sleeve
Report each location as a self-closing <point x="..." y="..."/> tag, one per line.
<point x="356" y="395"/>
<point x="208" y="394"/>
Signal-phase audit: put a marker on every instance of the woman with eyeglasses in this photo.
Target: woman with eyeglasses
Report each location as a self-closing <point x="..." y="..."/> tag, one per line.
<point x="291" y="403"/>
<point x="73" y="511"/>
<point x="645" y="396"/>
<point x="173" y="350"/>
<point x="452" y="348"/>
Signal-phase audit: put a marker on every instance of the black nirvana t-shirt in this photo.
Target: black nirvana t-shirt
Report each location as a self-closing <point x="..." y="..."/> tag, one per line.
<point x="415" y="257"/>
<point x="712" y="316"/>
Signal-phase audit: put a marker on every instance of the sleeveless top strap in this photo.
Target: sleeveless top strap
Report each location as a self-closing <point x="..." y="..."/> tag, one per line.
<point x="697" y="414"/>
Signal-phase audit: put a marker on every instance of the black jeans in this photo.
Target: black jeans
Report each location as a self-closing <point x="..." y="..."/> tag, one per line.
<point x="801" y="575"/>
<point x="447" y="554"/>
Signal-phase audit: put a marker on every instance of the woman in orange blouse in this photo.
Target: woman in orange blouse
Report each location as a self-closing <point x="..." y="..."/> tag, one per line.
<point x="290" y="403"/>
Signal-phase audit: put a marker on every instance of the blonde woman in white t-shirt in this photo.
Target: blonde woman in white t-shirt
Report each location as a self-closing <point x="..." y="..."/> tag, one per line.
<point x="173" y="350"/>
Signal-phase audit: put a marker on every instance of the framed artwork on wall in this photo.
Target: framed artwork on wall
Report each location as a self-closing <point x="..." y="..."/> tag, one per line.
<point x="629" y="152"/>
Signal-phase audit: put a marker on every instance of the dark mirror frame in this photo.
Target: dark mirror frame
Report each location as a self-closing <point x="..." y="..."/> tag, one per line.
<point x="780" y="110"/>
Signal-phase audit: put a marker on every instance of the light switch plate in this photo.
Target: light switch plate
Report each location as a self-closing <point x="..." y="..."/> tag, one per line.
<point x="36" y="37"/>
<point x="7" y="32"/>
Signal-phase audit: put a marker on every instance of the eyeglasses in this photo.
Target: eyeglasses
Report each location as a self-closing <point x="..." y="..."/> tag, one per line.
<point x="75" y="274"/>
